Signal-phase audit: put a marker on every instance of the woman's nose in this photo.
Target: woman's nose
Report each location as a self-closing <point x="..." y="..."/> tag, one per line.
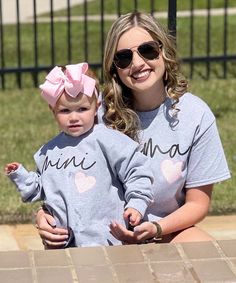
<point x="137" y="60"/>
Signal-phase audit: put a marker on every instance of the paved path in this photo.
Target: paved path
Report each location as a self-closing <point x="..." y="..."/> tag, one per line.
<point x="9" y="9"/>
<point x="25" y="237"/>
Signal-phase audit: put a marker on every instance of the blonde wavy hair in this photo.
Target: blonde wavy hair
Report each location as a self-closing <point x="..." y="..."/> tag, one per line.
<point x="117" y="98"/>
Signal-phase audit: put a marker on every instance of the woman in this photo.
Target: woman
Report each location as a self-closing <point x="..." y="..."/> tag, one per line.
<point x="146" y="98"/>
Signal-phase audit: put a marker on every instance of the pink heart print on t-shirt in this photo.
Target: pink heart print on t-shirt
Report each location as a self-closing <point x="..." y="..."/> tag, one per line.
<point x="171" y="171"/>
<point x="84" y="182"/>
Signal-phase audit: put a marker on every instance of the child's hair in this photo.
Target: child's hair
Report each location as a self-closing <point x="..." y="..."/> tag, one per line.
<point x="90" y="73"/>
<point x="117" y="98"/>
<point x="71" y="79"/>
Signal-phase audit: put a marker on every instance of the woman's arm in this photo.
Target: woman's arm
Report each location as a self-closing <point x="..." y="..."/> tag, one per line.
<point x="193" y="211"/>
<point x="52" y="236"/>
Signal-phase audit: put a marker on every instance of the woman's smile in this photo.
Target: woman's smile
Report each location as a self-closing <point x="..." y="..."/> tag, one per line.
<point x="141" y="75"/>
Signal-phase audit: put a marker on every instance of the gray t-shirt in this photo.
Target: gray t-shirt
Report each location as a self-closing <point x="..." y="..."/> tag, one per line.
<point x="185" y="151"/>
<point x="87" y="181"/>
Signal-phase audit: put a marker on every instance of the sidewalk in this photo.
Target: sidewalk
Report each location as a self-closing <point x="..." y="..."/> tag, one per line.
<point x="9" y="15"/>
<point x="25" y="237"/>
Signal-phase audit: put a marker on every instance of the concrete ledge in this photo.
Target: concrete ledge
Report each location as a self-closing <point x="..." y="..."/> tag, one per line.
<point x="188" y="262"/>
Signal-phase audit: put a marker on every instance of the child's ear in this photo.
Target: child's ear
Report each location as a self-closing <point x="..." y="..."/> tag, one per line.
<point x="51" y="108"/>
<point x="98" y="105"/>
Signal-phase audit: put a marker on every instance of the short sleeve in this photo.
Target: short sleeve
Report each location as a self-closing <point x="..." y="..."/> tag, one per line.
<point x="207" y="163"/>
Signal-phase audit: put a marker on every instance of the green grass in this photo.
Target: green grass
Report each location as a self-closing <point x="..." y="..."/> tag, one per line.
<point x="26" y="123"/>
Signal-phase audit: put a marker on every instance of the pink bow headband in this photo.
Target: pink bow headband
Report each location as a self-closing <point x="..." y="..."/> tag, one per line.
<point x="73" y="82"/>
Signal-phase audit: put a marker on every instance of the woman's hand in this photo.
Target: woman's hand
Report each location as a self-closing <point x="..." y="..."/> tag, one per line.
<point x="179" y="226"/>
<point x="142" y="232"/>
<point x="52" y="236"/>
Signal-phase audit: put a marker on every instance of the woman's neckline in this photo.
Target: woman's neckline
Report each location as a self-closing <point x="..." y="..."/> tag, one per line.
<point x="153" y="110"/>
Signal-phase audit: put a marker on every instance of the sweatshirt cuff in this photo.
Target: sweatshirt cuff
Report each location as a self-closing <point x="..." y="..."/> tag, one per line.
<point x="19" y="175"/>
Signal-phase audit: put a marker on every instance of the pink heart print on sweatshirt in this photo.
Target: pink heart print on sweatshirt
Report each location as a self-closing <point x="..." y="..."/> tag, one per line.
<point x="83" y="182"/>
<point x="171" y="170"/>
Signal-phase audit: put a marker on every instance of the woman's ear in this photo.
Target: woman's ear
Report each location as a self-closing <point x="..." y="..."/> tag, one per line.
<point x="113" y="70"/>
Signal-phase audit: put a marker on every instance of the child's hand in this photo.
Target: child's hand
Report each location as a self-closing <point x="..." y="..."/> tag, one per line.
<point x="133" y="216"/>
<point x="11" y="167"/>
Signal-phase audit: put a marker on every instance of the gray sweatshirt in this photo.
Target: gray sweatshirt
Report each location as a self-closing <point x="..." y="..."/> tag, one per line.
<point x="88" y="181"/>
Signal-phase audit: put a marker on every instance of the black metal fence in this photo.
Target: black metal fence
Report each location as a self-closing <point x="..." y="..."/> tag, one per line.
<point x="32" y="44"/>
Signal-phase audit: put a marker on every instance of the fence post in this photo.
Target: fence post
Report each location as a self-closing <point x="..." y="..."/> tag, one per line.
<point x="1" y="48"/>
<point x="172" y="17"/>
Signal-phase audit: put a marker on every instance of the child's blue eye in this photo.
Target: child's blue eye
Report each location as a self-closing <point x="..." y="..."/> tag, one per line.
<point x="82" y="109"/>
<point x="64" y="111"/>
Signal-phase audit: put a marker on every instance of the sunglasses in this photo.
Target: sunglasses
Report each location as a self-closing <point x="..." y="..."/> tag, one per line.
<point x="148" y="51"/>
